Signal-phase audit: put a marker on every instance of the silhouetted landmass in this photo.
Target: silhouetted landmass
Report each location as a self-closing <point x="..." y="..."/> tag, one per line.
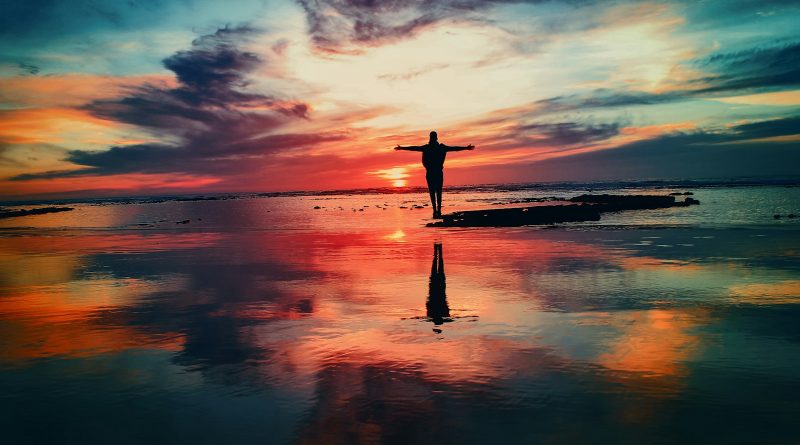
<point x="589" y="209"/>
<point x="40" y="211"/>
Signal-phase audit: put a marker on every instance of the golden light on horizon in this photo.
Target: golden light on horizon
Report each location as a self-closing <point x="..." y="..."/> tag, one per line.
<point x="396" y="175"/>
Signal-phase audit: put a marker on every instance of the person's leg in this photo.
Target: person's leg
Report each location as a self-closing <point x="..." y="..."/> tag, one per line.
<point x="432" y="191"/>
<point x="439" y="186"/>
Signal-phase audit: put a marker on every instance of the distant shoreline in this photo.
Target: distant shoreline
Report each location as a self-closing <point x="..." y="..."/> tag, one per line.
<point x="583" y="186"/>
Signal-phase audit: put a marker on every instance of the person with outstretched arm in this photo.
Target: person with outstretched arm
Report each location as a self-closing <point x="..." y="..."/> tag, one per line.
<point x="433" y="154"/>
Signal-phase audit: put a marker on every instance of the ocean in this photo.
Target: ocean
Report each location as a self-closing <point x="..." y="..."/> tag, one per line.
<point x="339" y="317"/>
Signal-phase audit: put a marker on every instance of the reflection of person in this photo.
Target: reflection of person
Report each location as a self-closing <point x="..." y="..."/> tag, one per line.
<point x="433" y="154"/>
<point x="438" y="311"/>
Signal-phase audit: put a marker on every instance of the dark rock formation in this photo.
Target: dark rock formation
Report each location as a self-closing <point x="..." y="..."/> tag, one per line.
<point x="40" y="211"/>
<point x="589" y="209"/>
<point x="520" y="216"/>
<point x="688" y="202"/>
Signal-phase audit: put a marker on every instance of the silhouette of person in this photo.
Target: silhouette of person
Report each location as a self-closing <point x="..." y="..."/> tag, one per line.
<point x="437" y="309"/>
<point x="433" y="154"/>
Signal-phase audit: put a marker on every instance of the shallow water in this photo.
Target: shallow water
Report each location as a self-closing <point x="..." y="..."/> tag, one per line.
<point x="266" y="320"/>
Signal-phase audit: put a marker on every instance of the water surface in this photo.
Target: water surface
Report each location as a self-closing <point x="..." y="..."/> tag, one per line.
<point x="266" y="320"/>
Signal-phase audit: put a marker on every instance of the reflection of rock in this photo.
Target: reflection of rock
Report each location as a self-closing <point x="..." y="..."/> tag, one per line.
<point x="39" y="211"/>
<point x="590" y="208"/>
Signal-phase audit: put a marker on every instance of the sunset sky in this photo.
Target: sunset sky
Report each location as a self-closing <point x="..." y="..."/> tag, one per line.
<point x="105" y="97"/>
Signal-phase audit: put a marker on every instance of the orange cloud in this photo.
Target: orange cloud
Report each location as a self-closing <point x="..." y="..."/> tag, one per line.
<point x="51" y="125"/>
<point x="70" y="90"/>
<point x="138" y="182"/>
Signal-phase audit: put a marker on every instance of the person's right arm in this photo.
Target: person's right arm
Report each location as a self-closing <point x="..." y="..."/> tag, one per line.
<point x="409" y="148"/>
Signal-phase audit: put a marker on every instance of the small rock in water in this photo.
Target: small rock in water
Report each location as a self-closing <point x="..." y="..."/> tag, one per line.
<point x="776" y="216"/>
<point x="317" y="207"/>
<point x="791" y="215"/>
<point x="185" y="221"/>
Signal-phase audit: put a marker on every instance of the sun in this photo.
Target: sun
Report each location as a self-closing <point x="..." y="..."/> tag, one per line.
<point x="396" y="175"/>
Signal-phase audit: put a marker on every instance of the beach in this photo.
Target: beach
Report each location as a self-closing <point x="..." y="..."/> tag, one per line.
<point x="330" y="317"/>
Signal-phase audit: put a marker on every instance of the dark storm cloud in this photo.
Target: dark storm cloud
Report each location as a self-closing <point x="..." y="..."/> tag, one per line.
<point x="336" y="25"/>
<point x="733" y="153"/>
<point x="753" y="68"/>
<point x="602" y="98"/>
<point x="770" y="128"/>
<point x="115" y="160"/>
<point x="758" y="69"/>
<point x="566" y="133"/>
<point x="210" y="74"/>
<point x="208" y="112"/>
<point x="210" y="153"/>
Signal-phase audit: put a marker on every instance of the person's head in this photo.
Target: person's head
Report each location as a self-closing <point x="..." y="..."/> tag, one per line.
<point x="434" y="136"/>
